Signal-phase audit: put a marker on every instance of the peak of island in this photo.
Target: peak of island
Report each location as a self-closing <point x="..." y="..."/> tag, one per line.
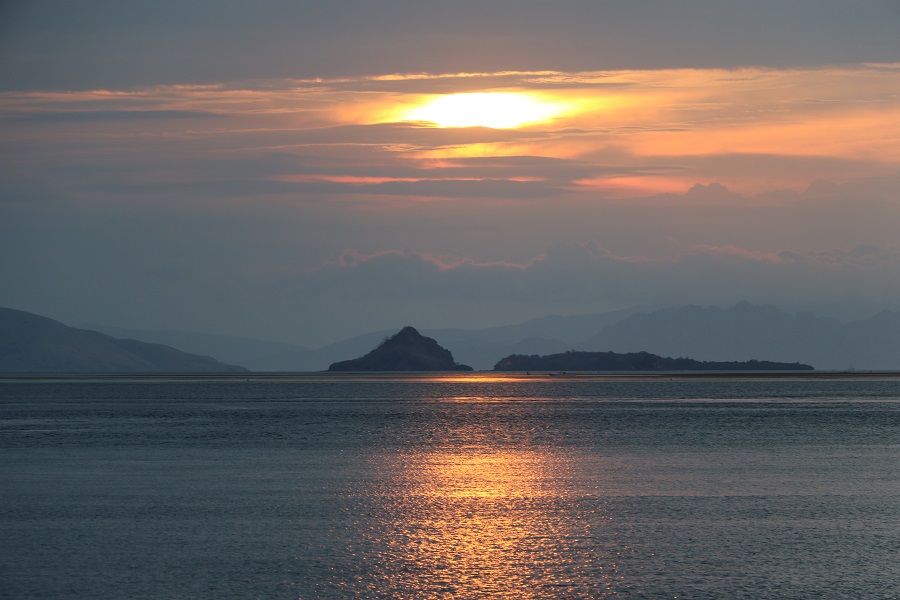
<point x="407" y="350"/>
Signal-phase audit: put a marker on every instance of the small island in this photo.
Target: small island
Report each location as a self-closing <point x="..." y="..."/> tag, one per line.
<point x="407" y="350"/>
<point x="633" y="361"/>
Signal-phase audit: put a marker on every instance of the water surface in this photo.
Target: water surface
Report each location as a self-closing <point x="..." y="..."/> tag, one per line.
<point x="454" y="487"/>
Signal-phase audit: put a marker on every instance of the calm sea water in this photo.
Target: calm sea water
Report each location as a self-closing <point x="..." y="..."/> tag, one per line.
<point x="461" y="487"/>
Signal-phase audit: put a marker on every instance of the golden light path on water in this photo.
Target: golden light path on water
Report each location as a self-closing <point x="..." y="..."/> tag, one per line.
<point x="471" y="521"/>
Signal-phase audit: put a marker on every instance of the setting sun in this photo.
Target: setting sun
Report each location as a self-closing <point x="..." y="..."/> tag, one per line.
<point x="497" y="110"/>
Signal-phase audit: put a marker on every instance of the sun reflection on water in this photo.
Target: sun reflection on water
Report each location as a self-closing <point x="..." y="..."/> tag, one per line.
<point x="477" y="522"/>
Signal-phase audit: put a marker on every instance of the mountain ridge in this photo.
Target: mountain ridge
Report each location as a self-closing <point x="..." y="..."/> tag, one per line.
<point x="739" y="332"/>
<point x="30" y="343"/>
<point x="255" y="354"/>
<point x="745" y="331"/>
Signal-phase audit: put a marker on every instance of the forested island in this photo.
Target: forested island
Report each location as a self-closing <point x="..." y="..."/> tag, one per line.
<point x="633" y="361"/>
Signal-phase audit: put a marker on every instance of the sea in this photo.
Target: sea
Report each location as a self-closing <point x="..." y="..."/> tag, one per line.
<point x="482" y="485"/>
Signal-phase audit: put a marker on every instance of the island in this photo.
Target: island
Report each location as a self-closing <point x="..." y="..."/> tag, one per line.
<point x="407" y="350"/>
<point x="633" y="361"/>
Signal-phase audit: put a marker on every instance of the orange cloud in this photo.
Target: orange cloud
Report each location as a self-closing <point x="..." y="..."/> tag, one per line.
<point x="680" y="119"/>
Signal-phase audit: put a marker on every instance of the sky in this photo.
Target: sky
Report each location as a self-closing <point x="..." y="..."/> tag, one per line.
<point x="306" y="171"/>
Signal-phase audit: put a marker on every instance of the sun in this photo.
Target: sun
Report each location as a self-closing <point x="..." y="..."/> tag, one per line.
<point x="497" y="110"/>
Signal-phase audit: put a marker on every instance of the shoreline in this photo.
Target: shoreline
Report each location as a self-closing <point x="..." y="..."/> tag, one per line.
<point x="452" y="376"/>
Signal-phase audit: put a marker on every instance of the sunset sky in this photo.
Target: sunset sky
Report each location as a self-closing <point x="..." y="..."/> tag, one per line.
<point x="307" y="170"/>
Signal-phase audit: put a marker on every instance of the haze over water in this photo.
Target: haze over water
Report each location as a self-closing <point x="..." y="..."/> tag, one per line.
<point x="456" y="487"/>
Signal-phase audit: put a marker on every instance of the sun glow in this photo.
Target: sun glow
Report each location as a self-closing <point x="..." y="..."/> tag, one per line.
<point x="497" y="110"/>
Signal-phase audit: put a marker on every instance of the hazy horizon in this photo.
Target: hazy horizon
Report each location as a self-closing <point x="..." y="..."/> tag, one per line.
<point x="843" y="315"/>
<point x="741" y="332"/>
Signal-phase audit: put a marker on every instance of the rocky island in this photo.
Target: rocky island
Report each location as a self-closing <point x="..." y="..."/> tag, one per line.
<point x="407" y="350"/>
<point x="633" y="361"/>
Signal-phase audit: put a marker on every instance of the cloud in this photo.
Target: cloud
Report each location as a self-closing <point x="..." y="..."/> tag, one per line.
<point x="582" y="278"/>
<point x="87" y="116"/>
<point x="53" y="43"/>
<point x="420" y="189"/>
<point x="631" y="133"/>
<point x="665" y="186"/>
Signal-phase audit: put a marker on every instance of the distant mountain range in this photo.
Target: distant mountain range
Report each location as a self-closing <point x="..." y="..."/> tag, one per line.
<point x="256" y="355"/>
<point x="741" y="332"/>
<point x="33" y="344"/>
<point x="479" y="348"/>
<point x="745" y="331"/>
<point x="738" y="333"/>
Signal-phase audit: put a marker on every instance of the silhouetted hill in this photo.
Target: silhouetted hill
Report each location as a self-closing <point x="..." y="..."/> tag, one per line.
<point x="745" y="331"/>
<point x="256" y="355"/>
<point x="30" y="343"/>
<point x="408" y="350"/>
<point x="633" y="361"/>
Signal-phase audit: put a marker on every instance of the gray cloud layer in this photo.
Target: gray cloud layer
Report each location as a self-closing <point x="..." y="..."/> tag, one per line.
<point x="101" y="43"/>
